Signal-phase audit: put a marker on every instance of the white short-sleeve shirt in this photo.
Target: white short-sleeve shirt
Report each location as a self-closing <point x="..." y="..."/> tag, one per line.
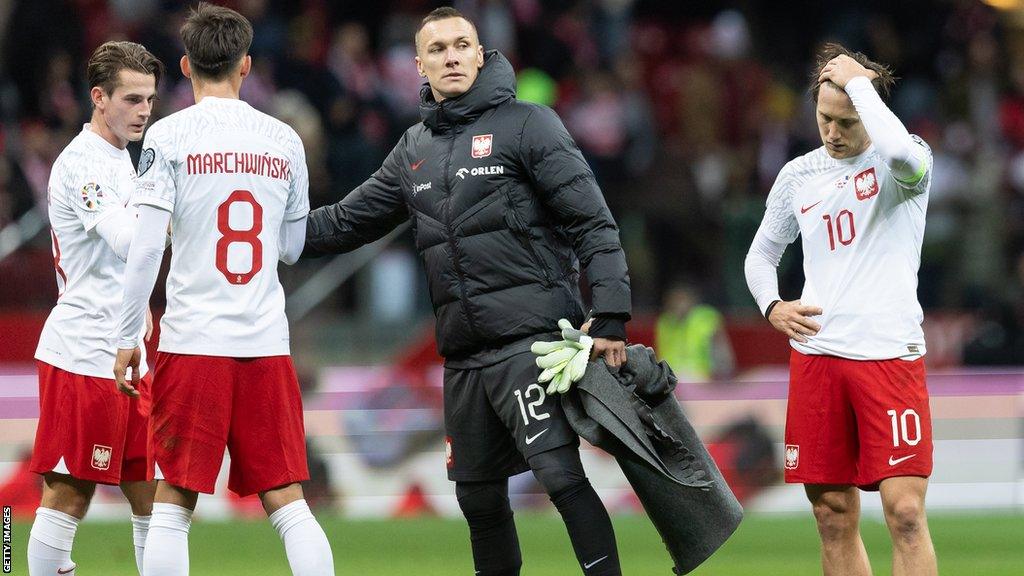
<point x="90" y="180"/>
<point x="229" y="175"/>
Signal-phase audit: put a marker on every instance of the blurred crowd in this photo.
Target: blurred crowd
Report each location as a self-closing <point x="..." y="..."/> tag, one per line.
<point x="686" y="111"/>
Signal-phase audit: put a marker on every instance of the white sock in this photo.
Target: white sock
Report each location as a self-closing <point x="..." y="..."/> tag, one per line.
<point x="140" y="525"/>
<point x="305" y="544"/>
<point x="167" y="541"/>
<point x="49" y="543"/>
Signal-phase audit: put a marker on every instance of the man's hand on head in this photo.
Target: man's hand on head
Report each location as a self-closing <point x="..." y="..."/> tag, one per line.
<point x="793" y="319"/>
<point x="841" y="69"/>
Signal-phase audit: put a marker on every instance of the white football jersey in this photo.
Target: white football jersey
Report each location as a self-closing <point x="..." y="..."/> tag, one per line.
<point x="89" y="180"/>
<point x="229" y="175"/>
<point x="861" y="235"/>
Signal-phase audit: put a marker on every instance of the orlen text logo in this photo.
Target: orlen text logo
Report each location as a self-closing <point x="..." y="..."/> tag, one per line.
<point x="480" y="171"/>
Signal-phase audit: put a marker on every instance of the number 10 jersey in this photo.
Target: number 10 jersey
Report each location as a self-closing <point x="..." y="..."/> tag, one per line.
<point x="861" y="233"/>
<point x="229" y="175"/>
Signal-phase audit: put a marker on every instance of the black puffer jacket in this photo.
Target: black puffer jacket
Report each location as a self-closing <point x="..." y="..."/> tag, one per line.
<point x="504" y="209"/>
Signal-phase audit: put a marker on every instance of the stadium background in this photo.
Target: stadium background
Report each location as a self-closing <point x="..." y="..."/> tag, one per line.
<point x="686" y="111"/>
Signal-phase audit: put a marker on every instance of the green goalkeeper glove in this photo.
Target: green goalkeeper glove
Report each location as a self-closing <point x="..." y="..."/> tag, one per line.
<point x="549" y="373"/>
<point x="560" y="383"/>
<point x="557" y="357"/>
<point x="568" y="332"/>
<point x="564" y="361"/>
<point x="553" y="357"/>
<point x="544" y="348"/>
<point x="578" y="365"/>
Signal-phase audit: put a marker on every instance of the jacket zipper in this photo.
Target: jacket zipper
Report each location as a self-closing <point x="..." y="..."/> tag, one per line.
<point x="520" y="231"/>
<point x="451" y="239"/>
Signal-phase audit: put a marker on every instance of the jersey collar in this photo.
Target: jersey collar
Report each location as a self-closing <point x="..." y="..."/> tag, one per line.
<point x="852" y="160"/>
<point x="99" y="142"/>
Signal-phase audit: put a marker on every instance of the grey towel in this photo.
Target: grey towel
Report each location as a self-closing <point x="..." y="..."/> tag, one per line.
<point x="633" y="416"/>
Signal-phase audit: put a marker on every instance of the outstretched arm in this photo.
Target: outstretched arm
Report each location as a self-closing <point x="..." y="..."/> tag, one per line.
<point x="367" y="213"/>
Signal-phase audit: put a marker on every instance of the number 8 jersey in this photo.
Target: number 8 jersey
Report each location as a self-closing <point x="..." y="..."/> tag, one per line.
<point x="229" y="175"/>
<point x="861" y="233"/>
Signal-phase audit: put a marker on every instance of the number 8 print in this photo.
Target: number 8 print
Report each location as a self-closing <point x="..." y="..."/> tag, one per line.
<point x="229" y="236"/>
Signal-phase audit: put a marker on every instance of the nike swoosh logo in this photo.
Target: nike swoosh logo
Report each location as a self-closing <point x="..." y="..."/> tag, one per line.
<point x="530" y="439"/>
<point x="802" y="210"/>
<point x="895" y="461"/>
<point x="588" y="565"/>
<point x="416" y="166"/>
<point x="66" y="570"/>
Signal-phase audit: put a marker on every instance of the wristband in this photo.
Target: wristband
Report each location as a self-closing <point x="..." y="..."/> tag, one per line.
<point x="768" y="311"/>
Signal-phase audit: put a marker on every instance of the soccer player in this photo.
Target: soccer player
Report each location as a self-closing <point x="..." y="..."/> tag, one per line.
<point x="233" y="183"/>
<point x="858" y="412"/>
<point x="505" y="211"/>
<point x="87" y="432"/>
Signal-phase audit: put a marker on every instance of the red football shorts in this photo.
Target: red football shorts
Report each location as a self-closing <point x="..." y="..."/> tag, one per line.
<point x="251" y="406"/>
<point x="856" y="421"/>
<point x="99" y="432"/>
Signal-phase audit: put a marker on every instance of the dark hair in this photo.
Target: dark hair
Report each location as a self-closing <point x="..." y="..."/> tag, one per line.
<point x="215" y="39"/>
<point x="112" y="57"/>
<point x="442" y="13"/>
<point x="883" y="83"/>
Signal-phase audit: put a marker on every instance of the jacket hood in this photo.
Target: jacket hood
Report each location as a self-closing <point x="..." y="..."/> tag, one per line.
<point x="495" y="84"/>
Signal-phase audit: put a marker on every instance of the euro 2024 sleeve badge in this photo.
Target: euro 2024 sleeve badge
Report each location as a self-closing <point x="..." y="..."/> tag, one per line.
<point x="92" y="196"/>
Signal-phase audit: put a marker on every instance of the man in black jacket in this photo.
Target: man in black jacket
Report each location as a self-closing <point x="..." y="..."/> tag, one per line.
<point x="504" y="211"/>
